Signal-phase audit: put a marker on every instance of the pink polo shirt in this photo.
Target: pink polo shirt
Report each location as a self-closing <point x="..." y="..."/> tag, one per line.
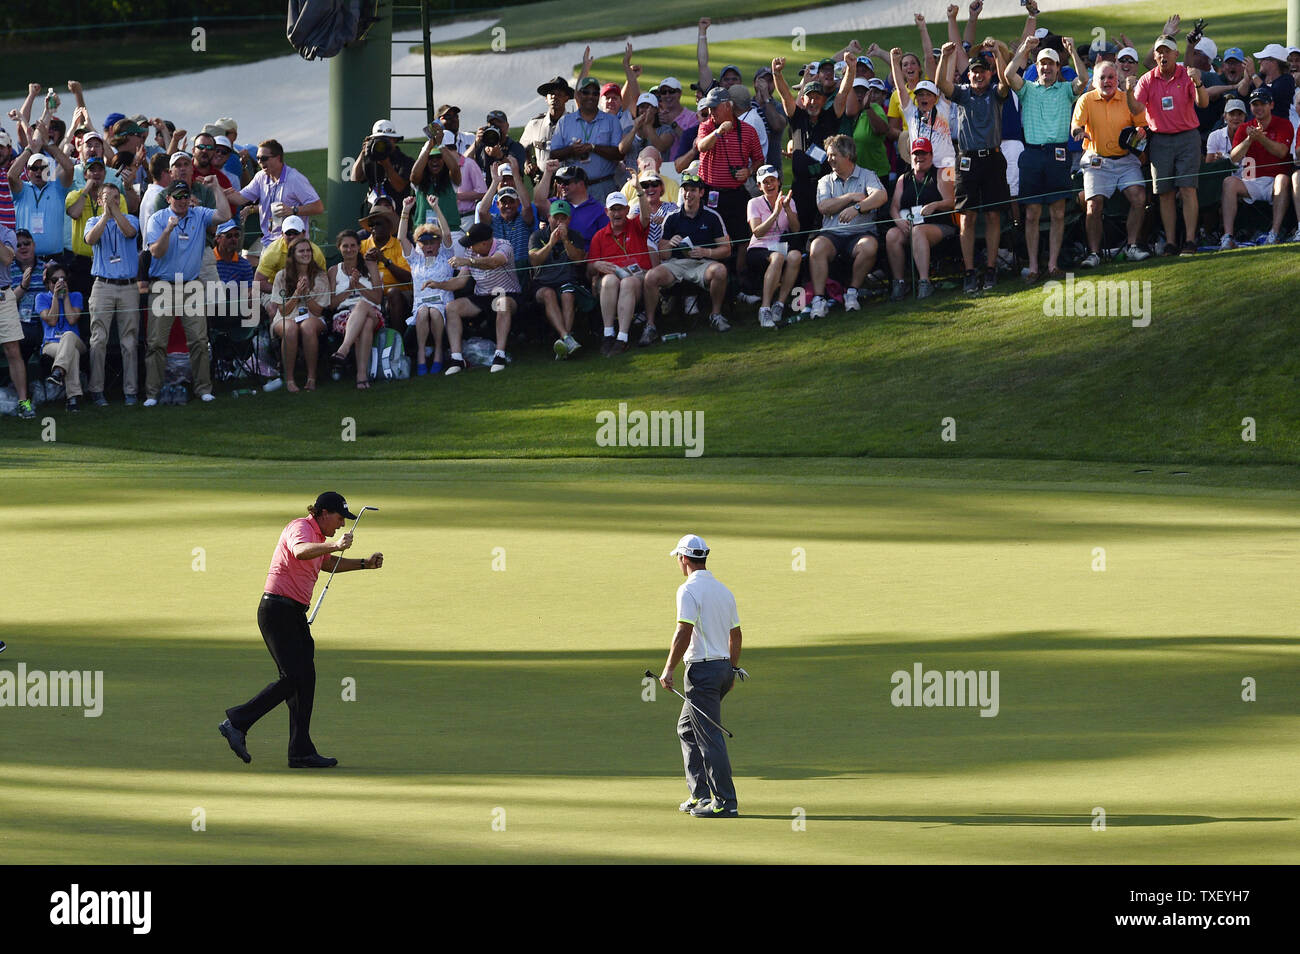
<point x="289" y="576"/>
<point x="1170" y="103"/>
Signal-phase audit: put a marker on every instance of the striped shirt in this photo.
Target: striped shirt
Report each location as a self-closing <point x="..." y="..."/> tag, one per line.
<point x="738" y="148"/>
<point x="1045" y="112"/>
<point x="489" y="281"/>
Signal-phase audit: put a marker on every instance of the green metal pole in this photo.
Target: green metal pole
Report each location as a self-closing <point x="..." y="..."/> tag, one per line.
<point x="360" y="92"/>
<point x="428" y="58"/>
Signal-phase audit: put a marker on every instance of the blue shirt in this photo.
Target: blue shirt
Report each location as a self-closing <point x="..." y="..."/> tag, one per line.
<point x="114" y="255"/>
<point x="41" y="211"/>
<point x="588" y="218"/>
<point x="517" y="233"/>
<point x="185" y="248"/>
<point x="604" y="130"/>
<point x="54" y="332"/>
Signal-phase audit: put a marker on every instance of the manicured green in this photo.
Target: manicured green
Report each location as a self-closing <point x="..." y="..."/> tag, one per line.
<point x="519" y="689"/>
<point x="552" y="22"/>
<point x="1228" y="23"/>
<point x="878" y="383"/>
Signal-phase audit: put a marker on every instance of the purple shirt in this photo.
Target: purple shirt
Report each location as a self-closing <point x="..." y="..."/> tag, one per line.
<point x="292" y="188"/>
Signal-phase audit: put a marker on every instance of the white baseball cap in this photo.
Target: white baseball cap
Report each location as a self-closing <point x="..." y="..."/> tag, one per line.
<point x="223" y="141"/>
<point x="1274" y="51"/>
<point x="383" y="127"/>
<point x="1128" y="51"/>
<point x="925" y="86"/>
<point x="1235" y="105"/>
<point x="648" y="99"/>
<point x="293" y="223"/>
<point x="670" y="82"/>
<point x="860" y="82"/>
<point x="177" y="156"/>
<point x="1047" y="53"/>
<point x="1208" y="47"/>
<point x="768" y="172"/>
<point x="615" y="198"/>
<point x="1165" y="41"/>
<point x="691" y="546"/>
<point x="505" y="169"/>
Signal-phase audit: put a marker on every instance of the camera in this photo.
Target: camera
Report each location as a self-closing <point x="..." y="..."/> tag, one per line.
<point x="380" y="147"/>
<point x="491" y="137"/>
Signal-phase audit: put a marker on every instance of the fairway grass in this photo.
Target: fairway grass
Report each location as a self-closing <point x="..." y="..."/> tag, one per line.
<point x="515" y="693"/>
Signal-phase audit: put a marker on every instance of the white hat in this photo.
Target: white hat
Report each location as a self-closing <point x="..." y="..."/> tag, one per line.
<point x="383" y="127"/>
<point x="1236" y="104"/>
<point x="860" y="82"/>
<point x="1041" y="32"/>
<point x="648" y="99"/>
<point x="177" y="156"/>
<point x="35" y="158"/>
<point x="1274" y="51"/>
<point x="4" y="139"/>
<point x="293" y="222"/>
<point x="1208" y="47"/>
<point x="1128" y="51"/>
<point x="768" y="172"/>
<point x="1165" y="41"/>
<point x="672" y="82"/>
<point x="925" y="86"/>
<point x="505" y="169"/>
<point x="1047" y="53"/>
<point x="223" y="141"/>
<point x="691" y="546"/>
<point x="615" y="198"/>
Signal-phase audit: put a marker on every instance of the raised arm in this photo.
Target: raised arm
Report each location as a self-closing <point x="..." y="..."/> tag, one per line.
<point x="947" y="67"/>
<point x="631" y="79"/>
<point x="782" y="87"/>
<point x="927" y="47"/>
<point x="896" y="74"/>
<point x="702" y="54"/>
<point x="844" y="95"/>
<point x="1015" y="81"/>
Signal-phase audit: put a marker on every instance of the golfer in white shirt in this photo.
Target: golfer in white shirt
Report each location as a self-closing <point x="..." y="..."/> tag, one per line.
<point x="708" y="640"/>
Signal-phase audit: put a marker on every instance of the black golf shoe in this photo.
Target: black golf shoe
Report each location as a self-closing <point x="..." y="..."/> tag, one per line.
<point x="312" y="761"/>
<point x="236" y="740"/>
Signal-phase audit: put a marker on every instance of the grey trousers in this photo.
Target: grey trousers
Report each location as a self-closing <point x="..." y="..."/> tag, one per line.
<point x="704" y="747"/>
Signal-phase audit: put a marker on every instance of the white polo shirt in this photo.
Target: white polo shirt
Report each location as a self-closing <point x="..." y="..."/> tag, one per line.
<point x="708" y="606"/>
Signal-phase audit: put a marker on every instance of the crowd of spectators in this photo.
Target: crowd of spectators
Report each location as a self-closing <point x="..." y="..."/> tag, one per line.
<point x="624" y="200"/>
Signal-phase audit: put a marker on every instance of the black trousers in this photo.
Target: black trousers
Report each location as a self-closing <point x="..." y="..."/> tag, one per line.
<point x="288" y="637"/>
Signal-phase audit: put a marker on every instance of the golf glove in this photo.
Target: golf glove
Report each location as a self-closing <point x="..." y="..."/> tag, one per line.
<point x="740" y="673"/>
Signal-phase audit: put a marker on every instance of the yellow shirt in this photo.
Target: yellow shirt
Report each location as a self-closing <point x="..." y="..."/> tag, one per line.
<point x="1104" y="120"/>
<point x="89" y="209"/>
<point x="393" y="252"/>
<point x="273" y="257"/>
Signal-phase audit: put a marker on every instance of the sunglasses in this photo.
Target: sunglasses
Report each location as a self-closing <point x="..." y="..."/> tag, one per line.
<point x="262" y="160"/>
<point x="652" y="185"/>
<point x="428" y="238"/>
<point x="25" y="244"/>
<point x="205" y="148"/>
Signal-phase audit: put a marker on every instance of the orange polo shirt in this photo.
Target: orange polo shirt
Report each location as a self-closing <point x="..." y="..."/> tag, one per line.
<point x="1103" y="120"/>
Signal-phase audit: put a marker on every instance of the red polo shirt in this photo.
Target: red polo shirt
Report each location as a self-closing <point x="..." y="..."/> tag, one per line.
<point x="621" y="250"/>
<point x="1267" y="165"/>
<point x="289" y="576"/>
<point x="739" y="147"/>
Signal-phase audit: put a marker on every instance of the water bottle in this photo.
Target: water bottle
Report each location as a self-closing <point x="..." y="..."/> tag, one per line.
<point x="673" y="336"/>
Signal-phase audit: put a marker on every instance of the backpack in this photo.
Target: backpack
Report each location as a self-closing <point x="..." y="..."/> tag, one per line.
<point x="388" y="358"/>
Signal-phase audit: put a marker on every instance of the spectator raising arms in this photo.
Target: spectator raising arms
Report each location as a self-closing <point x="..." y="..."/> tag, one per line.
<point x="429" y="259"/>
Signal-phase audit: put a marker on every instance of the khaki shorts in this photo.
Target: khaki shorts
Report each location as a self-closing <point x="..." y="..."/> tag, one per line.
<point x="11" y="326"/>
<point x="689" y="269"/>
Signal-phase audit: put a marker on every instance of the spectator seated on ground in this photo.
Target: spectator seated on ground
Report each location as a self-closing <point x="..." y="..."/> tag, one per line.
<point x="490" y="263"/>
<point x="556" y="254"/>
<point x="847" y="198"/>
<point x="276" y="254"/>
<point x="1263" y="145"/>
<point x="694" y="246"/>
<point x="300" y="294"/>
<point x="921" y="211"/>
<point x="618" y="262"/>
<point x="356" y="299"/>
<point x="60" y="310"/>
<point x="429" y="261"/>
<point x="771" y="215"/>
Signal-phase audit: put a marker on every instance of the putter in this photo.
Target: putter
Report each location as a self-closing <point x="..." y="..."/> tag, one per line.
<point x="693" y="706"/>
<point x="2" y="645"/>
<point x="312" y="618"/>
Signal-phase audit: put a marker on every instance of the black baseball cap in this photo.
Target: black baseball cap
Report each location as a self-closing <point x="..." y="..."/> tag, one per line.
<point x="1262" y="95"/>
<point x="334" y="503"/>
<point x="179" y="190"/>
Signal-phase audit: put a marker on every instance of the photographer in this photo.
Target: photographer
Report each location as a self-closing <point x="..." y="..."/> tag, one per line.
<point x="384" y="168"/>
<point x="60" y="309"/>
<point x="492" y="144"/>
